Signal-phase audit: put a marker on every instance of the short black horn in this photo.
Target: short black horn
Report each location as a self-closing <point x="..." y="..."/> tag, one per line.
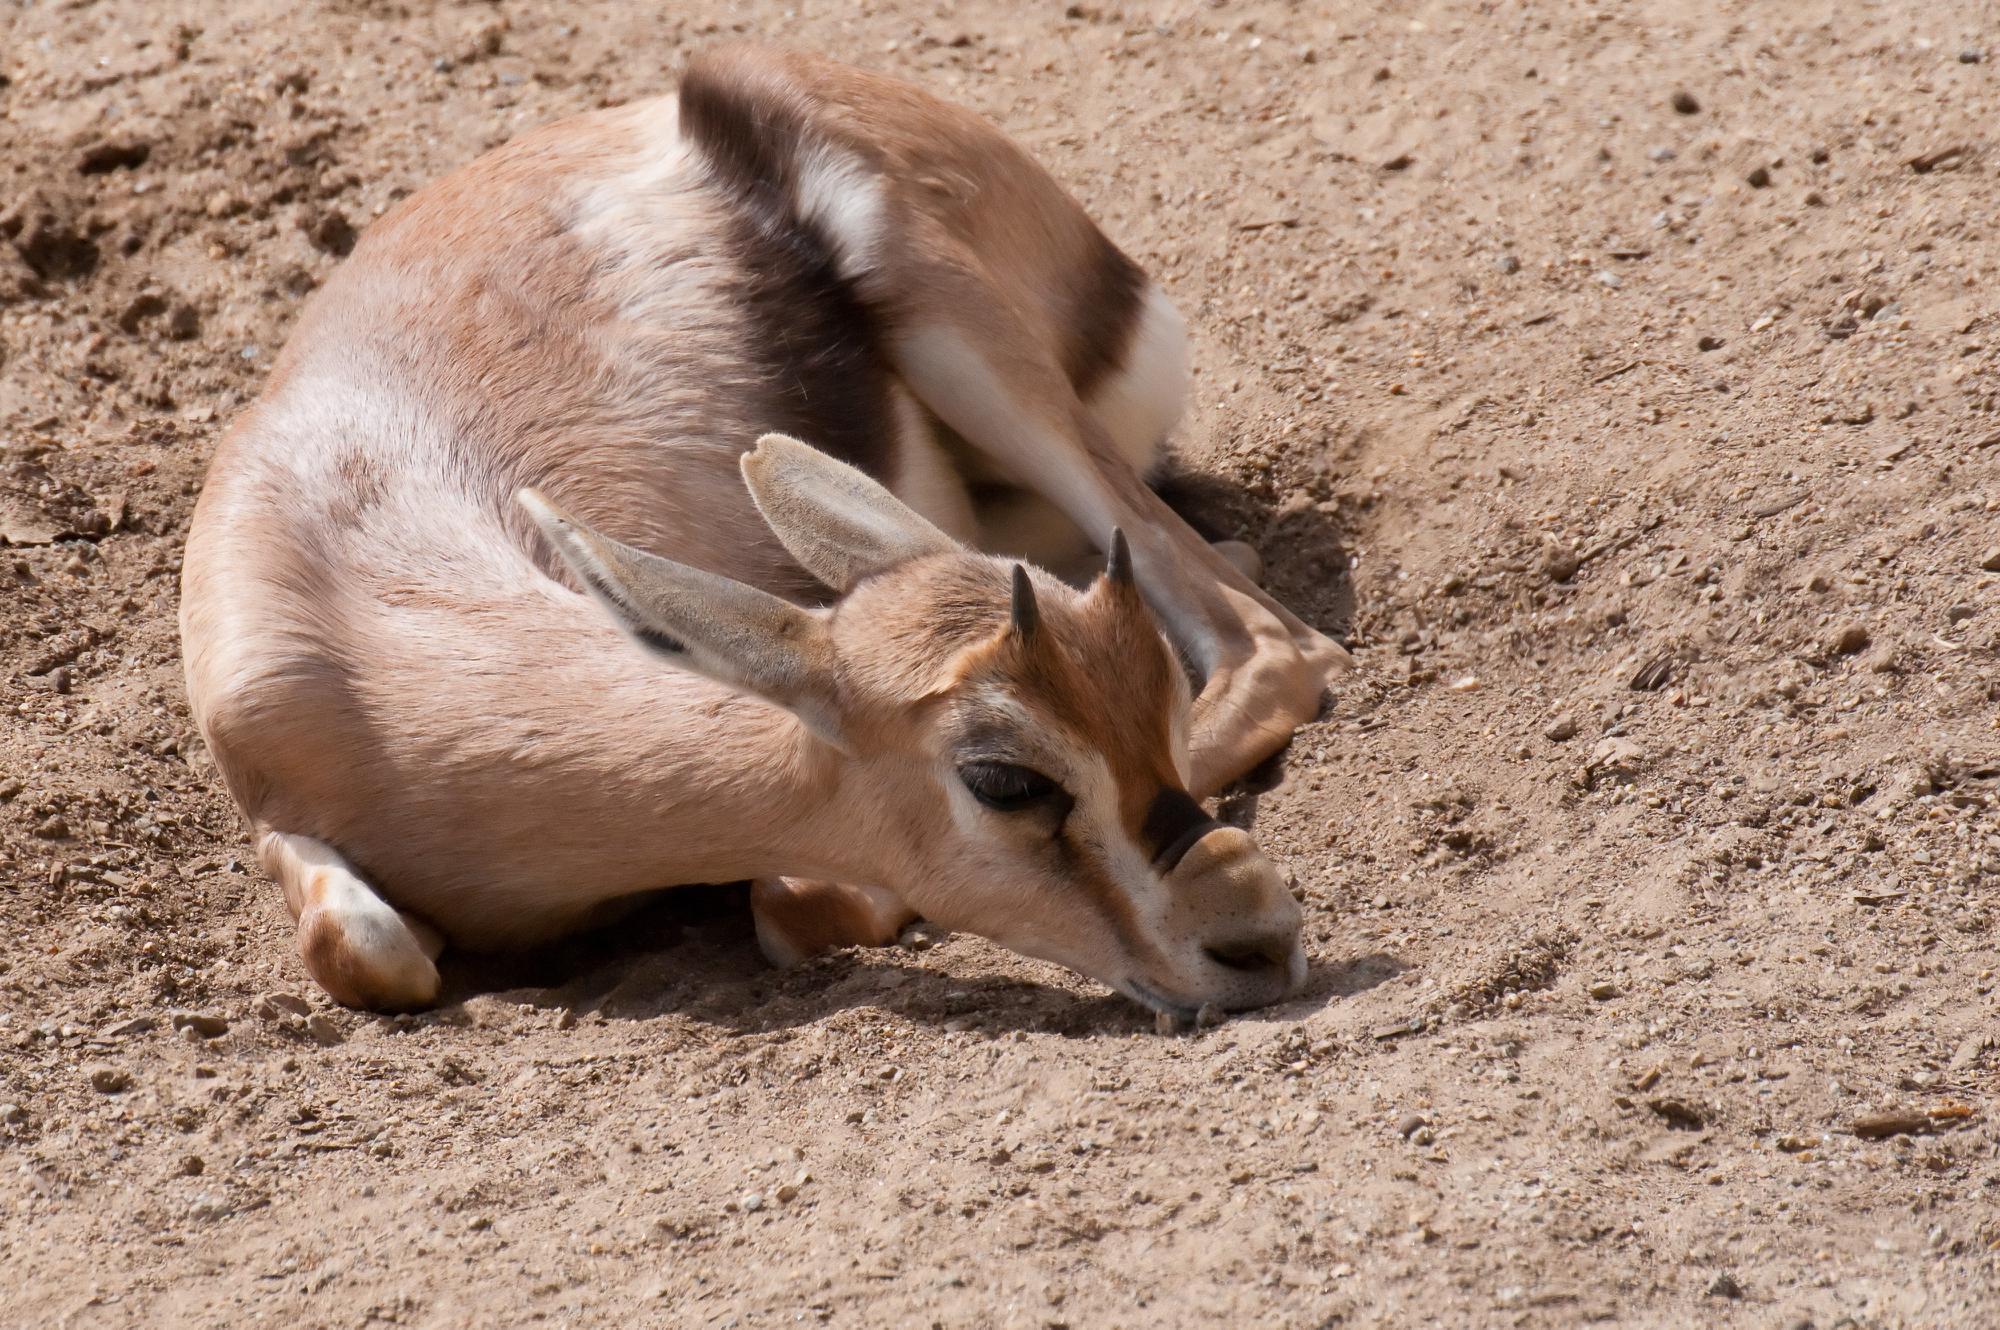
<point x="1026" y="616"/>
<point x="1119" y="566"/>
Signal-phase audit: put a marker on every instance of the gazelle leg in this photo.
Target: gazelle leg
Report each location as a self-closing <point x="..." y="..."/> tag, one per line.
<point x="1263" y="671"/>
<point x="798" y="919"/>
<point x="362" y="950"/>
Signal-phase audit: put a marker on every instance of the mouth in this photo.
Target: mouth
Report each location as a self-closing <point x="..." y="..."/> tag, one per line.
<point x="1160" y="1004"/>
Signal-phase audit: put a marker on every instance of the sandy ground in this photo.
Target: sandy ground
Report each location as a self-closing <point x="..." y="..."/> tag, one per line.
<point x="1619" y="380"/>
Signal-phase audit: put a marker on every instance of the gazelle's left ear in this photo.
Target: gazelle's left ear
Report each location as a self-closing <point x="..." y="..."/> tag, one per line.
<point x="840" y="524"/>
<point x="733" y="633"/>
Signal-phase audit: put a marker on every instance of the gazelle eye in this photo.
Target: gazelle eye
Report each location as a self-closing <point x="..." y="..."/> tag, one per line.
<point x="1006" y="788"/>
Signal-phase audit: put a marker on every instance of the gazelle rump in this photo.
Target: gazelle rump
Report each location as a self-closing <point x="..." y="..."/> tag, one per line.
<point x="491" y="623"/>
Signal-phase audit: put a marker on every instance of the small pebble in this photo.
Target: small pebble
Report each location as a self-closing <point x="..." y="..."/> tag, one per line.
<point x="1560" y="730"/>
<point x="1971" y="55"/>
<point x="191" y="1166"/>
<point x="1410" y="1123"/>
<point x="1662" y="153"/>
<point x="1991" y="561"/>
<point x="1725" y="1286"/>
<point x="1507" y="263"/>
<point x="1603" y="990"/>
<point x="1684" y="102"/>
<point x="276" y="1006"/>
<point x="110" y="1080"/>
<point x="206" y="1024"/>
<point x="11" y="1114"/>
<point x="752" y="1202"/>
<point x="1849" y="639"/>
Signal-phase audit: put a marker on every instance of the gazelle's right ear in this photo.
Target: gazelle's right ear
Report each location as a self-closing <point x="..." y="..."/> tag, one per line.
<point x="836" y="521"/>
<point x="731" y="632"/>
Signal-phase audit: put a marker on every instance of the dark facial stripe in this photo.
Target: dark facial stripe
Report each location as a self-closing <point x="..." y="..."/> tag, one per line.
<point x="1173" y="824"/>
<point x="814" y="344"/>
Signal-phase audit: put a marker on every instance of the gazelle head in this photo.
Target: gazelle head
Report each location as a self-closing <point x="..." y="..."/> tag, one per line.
<point x="1010" y="752"/>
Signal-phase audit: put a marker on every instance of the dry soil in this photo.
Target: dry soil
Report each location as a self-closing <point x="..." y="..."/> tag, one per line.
<point x="1619" y="380"/>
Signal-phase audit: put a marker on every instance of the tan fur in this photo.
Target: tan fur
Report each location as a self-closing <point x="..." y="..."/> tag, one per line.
<point x="389" y="662"/>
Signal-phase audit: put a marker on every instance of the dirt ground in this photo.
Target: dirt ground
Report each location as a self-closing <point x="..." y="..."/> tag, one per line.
<point x="1619" y="380"/>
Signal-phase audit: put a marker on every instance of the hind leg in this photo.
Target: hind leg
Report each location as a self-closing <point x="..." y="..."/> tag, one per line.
<point x="362" y="950"/>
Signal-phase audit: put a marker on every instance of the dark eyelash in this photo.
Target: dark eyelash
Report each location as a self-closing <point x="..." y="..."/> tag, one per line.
<point x="1007" y="787"/>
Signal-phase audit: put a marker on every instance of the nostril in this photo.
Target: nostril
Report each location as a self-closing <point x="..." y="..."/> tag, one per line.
<point x="1250" y="957"/>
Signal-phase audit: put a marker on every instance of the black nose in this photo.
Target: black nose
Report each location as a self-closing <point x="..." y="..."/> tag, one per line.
<point x="1252" y="955"/>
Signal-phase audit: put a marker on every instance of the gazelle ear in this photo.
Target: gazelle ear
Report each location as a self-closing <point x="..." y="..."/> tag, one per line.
<point x="734" y="634"/>
<point x="838" y="523"/>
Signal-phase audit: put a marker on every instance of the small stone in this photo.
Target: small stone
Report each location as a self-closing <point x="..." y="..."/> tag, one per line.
<point x="1677" y="1112"/>
<point x="1410" y="1123"/>
<point x="1706" y="343"/>
<point x="1603" y="990"/>
<point x="130" y="1026"/>
<point x="110" y="1080"/>
<point x="329" y="231"/>
<point x="52" y="827"/>
<point x="1662" y="153"/>
<point x="1684" y="102"/>
<point x="1725" y="1286"/>
<point x="277" y="1006"/>
<point x="1610" y="279"/>
<point x="1959" y="613"/>
<point x="1878" y="1126"/>
<point x="752" y="1202"/>
<point x="787" y="1194"/>
<point x="1508" y="264"/>
<point x="11" y="786"/>
<point x="1759" y="178"/>
<point x="323" y="1031"/>
<point x="191" y="1166"/>
<point x="1617" y="761"/>
<point x="13" y="1114"/>
<point x="206" y="1024"/>
<point x="1560" y="562"/>
<point x="1991" y="560"/>
<point x="1849" y="638"/>
<point x="1971" y="55"/>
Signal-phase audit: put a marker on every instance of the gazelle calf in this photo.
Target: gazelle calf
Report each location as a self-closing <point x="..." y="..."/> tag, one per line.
<point x="492" y="623"/>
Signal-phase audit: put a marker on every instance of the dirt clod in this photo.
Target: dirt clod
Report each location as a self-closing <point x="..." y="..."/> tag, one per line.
<point x="1678" y="1113"/>
<point x="110" y="1080"/>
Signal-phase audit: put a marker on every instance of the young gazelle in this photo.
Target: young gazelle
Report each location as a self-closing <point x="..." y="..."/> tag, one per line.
<point x="514" y="423"/>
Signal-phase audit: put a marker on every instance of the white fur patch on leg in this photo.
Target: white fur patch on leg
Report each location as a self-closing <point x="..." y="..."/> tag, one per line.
<point x="1139" y="403"/>
<point x="839" y="194"/>
<point x="363" y="951"/>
